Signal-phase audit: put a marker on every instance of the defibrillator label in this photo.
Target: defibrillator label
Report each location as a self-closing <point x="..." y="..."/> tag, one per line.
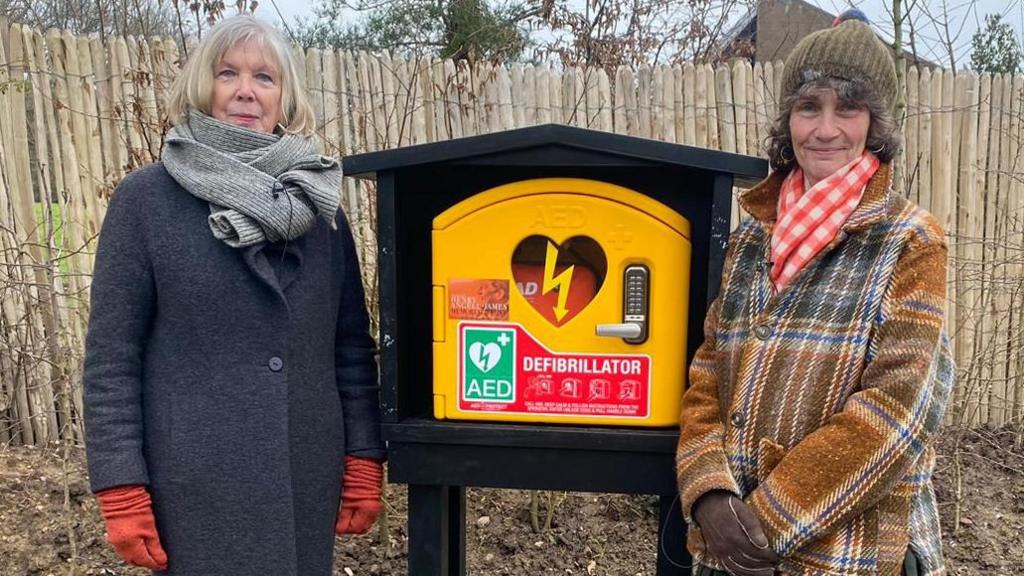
<point x="503" y="368"/>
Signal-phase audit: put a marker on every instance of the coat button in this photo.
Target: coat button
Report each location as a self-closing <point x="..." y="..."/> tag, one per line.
<point x="275" y="364"/>
<point x="737" y="419"/>
<point x="762" y="331"/>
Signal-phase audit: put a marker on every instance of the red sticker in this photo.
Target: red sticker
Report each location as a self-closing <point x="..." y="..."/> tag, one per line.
<point x="502" y="368"/>
<point x="476" y="299"/>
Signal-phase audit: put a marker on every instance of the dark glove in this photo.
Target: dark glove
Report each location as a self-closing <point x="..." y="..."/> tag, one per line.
<point x="734" y="535"/>
<point x="131" y="527"/>
<point x="360" y="495"/>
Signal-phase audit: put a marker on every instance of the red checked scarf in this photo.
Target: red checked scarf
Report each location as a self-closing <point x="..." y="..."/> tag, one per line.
<point x="808" y="221"/>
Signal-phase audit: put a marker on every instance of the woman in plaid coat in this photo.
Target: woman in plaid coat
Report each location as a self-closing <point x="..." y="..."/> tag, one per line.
<point x="806" y="432"/>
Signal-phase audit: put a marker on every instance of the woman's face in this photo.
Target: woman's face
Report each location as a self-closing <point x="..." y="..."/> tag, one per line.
<point x="247" y="88"/>
<point x="827" y="133"/>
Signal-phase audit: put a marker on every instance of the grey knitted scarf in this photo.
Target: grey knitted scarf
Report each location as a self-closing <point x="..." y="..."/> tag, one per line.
<point x="261" y="187"/>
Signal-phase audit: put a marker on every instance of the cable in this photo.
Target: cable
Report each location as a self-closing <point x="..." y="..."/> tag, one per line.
<point x="661" y="537"/>
<point x="288" y="233"/>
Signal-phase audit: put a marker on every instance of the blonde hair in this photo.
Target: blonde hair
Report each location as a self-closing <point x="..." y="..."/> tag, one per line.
<point x="193" y="87"/>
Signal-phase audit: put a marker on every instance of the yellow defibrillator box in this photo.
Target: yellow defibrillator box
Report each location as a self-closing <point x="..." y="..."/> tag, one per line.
<point x="560" y="300"/>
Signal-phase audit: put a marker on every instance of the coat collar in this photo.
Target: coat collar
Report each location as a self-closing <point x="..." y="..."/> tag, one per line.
<point x="762" y="201"/>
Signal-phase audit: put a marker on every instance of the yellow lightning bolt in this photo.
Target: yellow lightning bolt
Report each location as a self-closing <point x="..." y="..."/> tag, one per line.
<point x="560" y="282"/>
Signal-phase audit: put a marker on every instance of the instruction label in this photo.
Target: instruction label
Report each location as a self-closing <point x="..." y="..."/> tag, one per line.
<point x="503" y="368"/>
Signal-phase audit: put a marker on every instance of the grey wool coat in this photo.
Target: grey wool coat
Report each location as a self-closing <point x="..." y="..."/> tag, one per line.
<point x="232" y="382"/>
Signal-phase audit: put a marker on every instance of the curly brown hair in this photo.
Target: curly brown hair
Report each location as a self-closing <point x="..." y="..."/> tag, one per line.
<point x="883" y="134"/>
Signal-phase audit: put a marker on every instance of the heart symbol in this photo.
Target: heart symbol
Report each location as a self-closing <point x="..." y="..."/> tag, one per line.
<point x="485" y="356"/>
<point x="559" y="281"/>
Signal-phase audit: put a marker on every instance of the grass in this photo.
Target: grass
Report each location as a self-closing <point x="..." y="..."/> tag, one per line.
<point x="58" y="230"/>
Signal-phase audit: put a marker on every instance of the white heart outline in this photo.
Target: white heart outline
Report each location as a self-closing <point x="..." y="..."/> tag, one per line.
<point x="485" y="356"/>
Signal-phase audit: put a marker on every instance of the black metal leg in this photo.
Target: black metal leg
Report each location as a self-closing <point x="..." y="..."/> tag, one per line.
<point x="429" y="508"/>
<point x="456" y="531"/>
<point x="673" y="557"/>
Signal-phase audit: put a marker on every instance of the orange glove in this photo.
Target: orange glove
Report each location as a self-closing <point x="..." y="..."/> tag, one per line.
<point x="360" y="495"/>
<point x="131" y="528"/>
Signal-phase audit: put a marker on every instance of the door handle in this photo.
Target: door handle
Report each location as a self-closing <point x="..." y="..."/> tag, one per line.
<point x="628" y="330"/>
<point x="636" y="285"/>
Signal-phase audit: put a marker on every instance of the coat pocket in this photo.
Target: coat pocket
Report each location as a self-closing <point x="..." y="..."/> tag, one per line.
<point x="769" y="454"/>
<point x="848" y="550"/>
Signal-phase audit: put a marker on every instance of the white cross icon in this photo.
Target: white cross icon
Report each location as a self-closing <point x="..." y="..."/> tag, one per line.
<point x="503" y="339"/>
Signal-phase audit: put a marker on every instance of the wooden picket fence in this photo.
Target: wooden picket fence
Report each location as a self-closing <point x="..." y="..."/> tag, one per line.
<point x="77" y="113"/>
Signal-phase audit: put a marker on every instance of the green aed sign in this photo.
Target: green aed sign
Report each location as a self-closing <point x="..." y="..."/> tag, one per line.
<point x="488" y="364"/>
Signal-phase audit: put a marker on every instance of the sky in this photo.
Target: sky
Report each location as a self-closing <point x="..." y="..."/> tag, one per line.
<point x="270" y="9"/>
<point x="966" y="16"/>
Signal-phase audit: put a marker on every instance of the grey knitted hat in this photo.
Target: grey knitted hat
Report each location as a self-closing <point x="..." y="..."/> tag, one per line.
<point x="849" y="50"/>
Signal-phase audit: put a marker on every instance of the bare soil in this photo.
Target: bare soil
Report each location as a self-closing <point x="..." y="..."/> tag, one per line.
<point x="50" y="525"/>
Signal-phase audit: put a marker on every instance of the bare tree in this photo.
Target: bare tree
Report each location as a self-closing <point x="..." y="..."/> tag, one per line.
<point x="950" y="29"/>
<point x="610" y="33"/>
<point x="115" y="17"/>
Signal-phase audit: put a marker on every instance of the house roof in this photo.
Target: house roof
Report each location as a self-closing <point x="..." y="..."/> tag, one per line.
<point x="746" y="27"/>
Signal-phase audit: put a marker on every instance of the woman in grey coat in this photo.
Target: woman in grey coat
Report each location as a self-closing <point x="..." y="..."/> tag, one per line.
<point x="230" y="379"/>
